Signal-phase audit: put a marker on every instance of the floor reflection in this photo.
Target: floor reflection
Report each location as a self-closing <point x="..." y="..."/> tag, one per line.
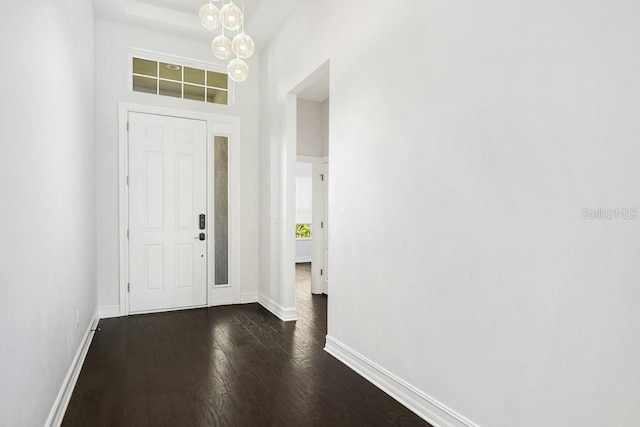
<point x="225" y="366"/>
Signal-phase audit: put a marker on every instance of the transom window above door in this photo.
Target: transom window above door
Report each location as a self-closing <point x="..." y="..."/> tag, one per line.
<point x="179" y="81"/>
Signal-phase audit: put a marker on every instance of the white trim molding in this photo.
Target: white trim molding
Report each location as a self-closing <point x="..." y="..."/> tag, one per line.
<point x="286" y="314"/>
<point x="414" y="399"/>
<point x="109" y="311"/>
<point x="178" y="60"/>
<point x="66" y="390"/>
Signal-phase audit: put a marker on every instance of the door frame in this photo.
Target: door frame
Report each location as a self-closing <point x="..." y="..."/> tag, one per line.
<point x="217" y="125"/>
<point x="287" y="157"/>
<point x="323" y="286"/>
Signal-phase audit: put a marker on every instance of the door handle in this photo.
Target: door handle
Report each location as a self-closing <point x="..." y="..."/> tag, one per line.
<point x="200" y="236"/>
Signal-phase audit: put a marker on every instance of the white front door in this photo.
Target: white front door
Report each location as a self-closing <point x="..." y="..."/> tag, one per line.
<point x="167" y="195"/>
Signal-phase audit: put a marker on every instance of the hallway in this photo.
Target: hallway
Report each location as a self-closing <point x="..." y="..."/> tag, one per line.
<point x="225" y="366"/>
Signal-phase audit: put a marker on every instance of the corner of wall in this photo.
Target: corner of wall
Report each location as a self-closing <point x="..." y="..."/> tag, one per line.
<point x="107" y="312"/>
<point x="285" y="314"/>
<point x="59" y="408"/>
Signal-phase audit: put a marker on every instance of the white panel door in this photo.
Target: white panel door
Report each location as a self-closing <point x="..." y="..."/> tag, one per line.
<point x="167" y="193"/>
<point x="325" y="269"/>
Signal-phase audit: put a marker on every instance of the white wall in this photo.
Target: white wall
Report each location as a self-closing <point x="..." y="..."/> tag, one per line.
<point x="310" y="128"/>
<point x="304" y="250"/>
<point x="303" y="192"/>
<point x="325" y="128"/>
<point x="508" y="118"/>
<point x="47" y="196"/>
<point x="304" y="189"/>
<point x="113" y="43"/>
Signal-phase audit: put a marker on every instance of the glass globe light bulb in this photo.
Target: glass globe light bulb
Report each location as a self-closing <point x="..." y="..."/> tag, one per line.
<point x="231" y="16"/>
<point x="209" y="16"/>
<point x="238" y="70"/>
<point x="243" y="45"/>
<point x="221" y="47"/>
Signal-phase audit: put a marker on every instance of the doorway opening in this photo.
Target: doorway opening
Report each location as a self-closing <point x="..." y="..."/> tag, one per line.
<point x="311" y="189"/>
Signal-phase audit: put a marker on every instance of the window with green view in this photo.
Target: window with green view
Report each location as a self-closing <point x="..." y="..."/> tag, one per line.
<point x="303" y="231"/>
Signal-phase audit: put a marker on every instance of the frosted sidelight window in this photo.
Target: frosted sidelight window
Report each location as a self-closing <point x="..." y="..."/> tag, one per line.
<point x="221" y="209"/>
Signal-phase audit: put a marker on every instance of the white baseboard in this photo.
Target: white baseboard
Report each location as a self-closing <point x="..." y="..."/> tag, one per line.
<point x="66" y="390"/>
<point x="109" y="311"/>
<point x="221" y="302"/>
<point x="248" y="297"/>
<point x="303" y="259"/>
<point x="286" y="314"/>
<point x="417" y="401"/>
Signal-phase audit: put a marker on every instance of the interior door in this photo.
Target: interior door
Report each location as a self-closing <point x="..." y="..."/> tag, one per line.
<point x="325" y="269"/>
<point x="167" y="195"/>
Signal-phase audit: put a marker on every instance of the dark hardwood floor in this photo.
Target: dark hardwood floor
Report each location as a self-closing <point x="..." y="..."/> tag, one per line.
<point x="225" y="366"/>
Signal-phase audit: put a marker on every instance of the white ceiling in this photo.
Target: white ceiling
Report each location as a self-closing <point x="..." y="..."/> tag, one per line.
<point x="263" y="17"/>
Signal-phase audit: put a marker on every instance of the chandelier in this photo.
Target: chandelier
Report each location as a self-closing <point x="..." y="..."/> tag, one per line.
<point x="229" y="17"/>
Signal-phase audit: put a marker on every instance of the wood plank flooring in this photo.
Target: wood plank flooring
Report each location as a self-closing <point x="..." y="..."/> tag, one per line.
<point x="225" y="366"/>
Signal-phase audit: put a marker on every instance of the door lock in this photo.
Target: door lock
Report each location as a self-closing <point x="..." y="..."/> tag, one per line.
<point x="200" y="236"/>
